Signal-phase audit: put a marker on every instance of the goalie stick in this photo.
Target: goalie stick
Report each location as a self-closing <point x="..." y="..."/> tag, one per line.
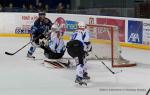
<point x="58" y="64"/>
<point x="107" y="66"/>
<point x="55" y="64"/>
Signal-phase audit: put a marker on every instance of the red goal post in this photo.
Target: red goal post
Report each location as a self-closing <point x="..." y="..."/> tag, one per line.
<point x="106" y="44"/>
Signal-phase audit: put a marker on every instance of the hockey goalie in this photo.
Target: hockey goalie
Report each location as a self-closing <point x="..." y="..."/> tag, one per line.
<point x="54" y="47"/>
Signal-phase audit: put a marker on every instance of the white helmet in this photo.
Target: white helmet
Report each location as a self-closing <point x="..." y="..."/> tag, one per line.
<point x="55" y="28"/>
<point x="81" y="25"/>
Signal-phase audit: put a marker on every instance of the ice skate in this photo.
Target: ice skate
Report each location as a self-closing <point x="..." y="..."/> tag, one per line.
<point x="80" y="81"/>
<point x="30" y="56"/>
<point x="85" y="76"/>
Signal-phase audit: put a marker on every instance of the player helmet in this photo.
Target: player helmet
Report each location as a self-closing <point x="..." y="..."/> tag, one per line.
<point x="55" y="28"/>
<point x="81" y="25"/>
<point x="42" y="13"/>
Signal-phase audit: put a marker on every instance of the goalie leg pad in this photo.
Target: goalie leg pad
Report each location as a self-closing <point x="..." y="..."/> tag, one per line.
<point x="58" y="63"/>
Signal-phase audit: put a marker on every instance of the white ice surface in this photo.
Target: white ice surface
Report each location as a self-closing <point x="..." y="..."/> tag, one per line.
<point x="21" y="76"/>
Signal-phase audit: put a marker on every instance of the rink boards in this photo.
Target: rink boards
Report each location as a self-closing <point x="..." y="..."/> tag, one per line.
<point x="134" y="32"/>
<point x="95" y="41"/>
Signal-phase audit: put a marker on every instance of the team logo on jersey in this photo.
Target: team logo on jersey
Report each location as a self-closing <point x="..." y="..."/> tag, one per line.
<point x="135" y="31"/>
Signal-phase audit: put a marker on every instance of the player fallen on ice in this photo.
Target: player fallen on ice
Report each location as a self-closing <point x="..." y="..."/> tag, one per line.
<point x="54" y="46"/>
<point x="38" y="31"/>
<point x="78" y="47"/>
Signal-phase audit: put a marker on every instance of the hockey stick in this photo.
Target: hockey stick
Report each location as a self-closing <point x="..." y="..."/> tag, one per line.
<point x="107" y="66"/>
<point x="8" y="53"/>
<point x="148" y="91"/>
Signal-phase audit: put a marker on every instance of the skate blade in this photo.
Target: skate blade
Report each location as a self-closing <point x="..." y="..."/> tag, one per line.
<point x="81" y="83"/>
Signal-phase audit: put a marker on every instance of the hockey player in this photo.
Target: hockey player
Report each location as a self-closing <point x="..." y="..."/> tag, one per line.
<point x="38" y="30"/>
<point x="54" y="47"/>
<point x="78" y="47"/>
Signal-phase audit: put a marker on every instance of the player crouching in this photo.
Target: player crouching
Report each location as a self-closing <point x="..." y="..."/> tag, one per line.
<point x="78" y="47"/>
<point x="54" y="47"/>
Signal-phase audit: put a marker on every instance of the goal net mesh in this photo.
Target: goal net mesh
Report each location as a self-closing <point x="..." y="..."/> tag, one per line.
<point x="106" y="45"/>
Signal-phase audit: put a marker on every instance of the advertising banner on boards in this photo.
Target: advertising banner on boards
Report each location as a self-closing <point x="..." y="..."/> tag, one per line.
<point x="135" y="31"/>
<point x="146" y="32"/>
<point x="115" y="22"/>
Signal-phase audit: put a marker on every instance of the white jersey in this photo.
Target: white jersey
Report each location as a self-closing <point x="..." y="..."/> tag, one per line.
<point x="77" y="35"/>
<point x="53" y="35"/>
<point x="86" y="35"/>
<point x="81" y="35"/>
<point x="56" y="45"/>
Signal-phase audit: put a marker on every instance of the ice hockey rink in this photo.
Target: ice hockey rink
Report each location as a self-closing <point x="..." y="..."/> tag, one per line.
<point x="21" y="76"/>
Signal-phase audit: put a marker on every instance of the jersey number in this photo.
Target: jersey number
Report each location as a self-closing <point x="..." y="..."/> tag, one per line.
<point x="74" y="36"/>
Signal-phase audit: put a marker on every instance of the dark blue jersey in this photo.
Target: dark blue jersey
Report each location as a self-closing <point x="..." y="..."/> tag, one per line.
<point x="40" y="26"/>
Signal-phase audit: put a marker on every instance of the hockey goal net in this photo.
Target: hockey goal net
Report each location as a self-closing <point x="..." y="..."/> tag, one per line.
<point x="106" y="44"/>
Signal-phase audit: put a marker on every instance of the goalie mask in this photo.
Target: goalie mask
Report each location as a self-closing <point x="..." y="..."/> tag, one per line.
<point x="55" y="28"/>
<point x="55" y="31"/>
<point x="81" y="25"/>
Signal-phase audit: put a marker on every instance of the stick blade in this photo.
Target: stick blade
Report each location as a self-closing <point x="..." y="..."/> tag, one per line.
<point x="7" y="53"/>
